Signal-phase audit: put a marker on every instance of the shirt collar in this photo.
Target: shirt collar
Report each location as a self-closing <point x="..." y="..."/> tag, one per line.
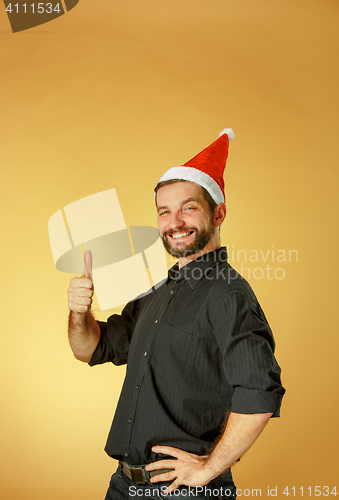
<point x="194" y="271"/>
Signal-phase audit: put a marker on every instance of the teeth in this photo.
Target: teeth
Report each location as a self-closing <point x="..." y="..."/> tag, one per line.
<point x="179" y="235"/>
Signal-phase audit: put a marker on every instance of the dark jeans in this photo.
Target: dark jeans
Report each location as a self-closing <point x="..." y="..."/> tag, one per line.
<point x="122" y="488"/>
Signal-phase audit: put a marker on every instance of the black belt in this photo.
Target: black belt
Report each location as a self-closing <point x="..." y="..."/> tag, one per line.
<point x="137" y="473"/>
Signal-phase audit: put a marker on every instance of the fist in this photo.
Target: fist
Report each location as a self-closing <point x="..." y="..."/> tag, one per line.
<point x="80" y="291"/>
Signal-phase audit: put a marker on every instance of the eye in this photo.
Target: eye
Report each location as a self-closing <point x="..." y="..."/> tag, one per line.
<point x="163" y="212"/>
<point x="189" y="208"/>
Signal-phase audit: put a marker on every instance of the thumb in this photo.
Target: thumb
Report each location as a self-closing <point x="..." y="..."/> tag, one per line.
<point x="88" y="259"/>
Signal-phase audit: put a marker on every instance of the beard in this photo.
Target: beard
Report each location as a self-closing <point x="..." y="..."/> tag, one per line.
<point x="202" y="238"/>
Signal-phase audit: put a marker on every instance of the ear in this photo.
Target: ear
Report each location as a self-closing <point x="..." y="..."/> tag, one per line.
<point x="219" y="214"/>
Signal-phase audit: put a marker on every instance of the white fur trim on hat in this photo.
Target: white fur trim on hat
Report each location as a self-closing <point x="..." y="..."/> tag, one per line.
<point x="197" y="176"/>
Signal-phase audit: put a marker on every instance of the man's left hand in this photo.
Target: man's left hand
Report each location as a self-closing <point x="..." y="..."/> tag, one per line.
<point x="188" y="469"/>
<point x="194" y="470"/>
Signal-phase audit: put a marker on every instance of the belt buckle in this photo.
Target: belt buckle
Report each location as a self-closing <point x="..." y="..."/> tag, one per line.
<point x="138" y="475"/>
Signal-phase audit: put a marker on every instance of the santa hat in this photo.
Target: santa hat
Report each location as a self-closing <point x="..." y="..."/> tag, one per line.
<point x="206" y="168"/>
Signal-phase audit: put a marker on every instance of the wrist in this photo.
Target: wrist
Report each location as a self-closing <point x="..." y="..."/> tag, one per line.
<point x="79" y="313"/>
<point x="214" y="467"/>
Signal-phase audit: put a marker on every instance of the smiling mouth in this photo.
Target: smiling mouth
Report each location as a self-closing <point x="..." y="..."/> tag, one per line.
<point x="176" y="236"/>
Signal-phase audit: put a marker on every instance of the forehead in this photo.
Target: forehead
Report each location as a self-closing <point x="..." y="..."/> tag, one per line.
<point x="178" y="192"/>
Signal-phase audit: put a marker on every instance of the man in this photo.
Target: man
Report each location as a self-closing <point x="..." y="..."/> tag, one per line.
<point x="201" y="380"/>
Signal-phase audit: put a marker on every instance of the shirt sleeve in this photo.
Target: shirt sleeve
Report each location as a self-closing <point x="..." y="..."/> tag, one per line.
<point x="116" y="334"/>
<point x="247" y="346"/>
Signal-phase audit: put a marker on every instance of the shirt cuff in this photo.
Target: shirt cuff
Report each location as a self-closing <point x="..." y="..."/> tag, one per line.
<point x="250" y="401"/>
<point x="97" y="355"/>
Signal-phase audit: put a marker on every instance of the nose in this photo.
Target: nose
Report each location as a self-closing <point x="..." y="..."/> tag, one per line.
<point x="176" y="220"/>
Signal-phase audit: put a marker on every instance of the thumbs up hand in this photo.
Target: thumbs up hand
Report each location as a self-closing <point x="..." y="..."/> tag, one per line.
<point x="80" y="291"/>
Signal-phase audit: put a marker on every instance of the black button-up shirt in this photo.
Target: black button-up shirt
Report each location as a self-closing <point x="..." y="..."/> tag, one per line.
<point x="197" y="347"/>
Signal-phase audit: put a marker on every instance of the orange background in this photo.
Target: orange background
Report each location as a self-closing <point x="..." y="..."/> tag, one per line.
<point x="112" y="94"/>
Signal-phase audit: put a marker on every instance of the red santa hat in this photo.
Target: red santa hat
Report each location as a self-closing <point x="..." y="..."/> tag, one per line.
<point x="206" y="168"/>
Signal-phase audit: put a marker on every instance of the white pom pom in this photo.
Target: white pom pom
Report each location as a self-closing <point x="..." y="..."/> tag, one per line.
<point x="229" y="132"/>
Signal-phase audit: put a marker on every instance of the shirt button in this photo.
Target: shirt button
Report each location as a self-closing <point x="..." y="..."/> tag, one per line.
<point x="129" y="420"/>
<point x="156" y="321"/>
<point x="145" y="354"/>
<point x="126" y="454"/>
<point x="137" y="387"/>
<point x="171" y="292"/>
